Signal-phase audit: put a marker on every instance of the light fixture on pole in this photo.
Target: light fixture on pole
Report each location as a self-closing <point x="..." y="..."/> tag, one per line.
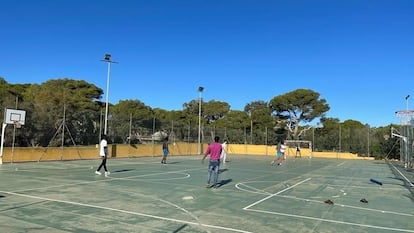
<point x="108" y="60"/>
<point x="406" y="101"/>
<point x="200" y="91"/>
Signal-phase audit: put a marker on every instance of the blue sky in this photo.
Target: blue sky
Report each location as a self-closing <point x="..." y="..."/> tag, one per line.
<point x="358" y="54"/>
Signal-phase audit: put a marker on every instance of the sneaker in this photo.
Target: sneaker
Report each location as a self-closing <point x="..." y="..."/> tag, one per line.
<point x="98" y="173"/>
<point x="209" y="186"/>
<point x="107" y="174"/>
<point x="363" y="200"/>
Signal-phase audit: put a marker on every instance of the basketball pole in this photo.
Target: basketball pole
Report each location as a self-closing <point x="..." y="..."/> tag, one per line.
<point x="14" y="140"/>
<point x="406" y="123"/>
<point x="3" y="128"/>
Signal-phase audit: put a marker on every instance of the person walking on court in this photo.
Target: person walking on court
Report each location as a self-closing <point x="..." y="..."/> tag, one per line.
<point x="298" y="152"/>
<point x="103" y="152"/>
<point x="214" y="151"/>
<point x="283" y="151"/>
<point x="280" y="153"/>
<point x="223" y="156"/>
<point x="165" y="151"/>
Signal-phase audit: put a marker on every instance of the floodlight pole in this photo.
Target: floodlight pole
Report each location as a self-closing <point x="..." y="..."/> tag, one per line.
<point x="251" y="126"/>
<point x="108" y="60"/>
<point x="200" y="91"/>
<point x="313" y="139"/>
<point x="107" y="99"/>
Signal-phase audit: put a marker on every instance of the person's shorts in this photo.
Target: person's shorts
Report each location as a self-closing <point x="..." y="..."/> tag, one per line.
<point x="278" y="154"/>
<point x="165" y="152"/>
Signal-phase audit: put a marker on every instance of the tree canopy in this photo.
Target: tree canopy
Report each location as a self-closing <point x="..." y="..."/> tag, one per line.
<point x="75" y="107"/>
<point x="298" y="106"/>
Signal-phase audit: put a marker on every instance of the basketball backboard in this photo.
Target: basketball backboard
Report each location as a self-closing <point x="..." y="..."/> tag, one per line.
<point x="14" y="116"/>
<point x="406" y="117"/>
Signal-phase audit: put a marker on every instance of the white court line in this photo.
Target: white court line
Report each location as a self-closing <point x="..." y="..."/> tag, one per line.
<point x="127" y="212"/>
<point x="186" y="176"/>
<point x="264" y="199"/>
<point x="332" y="221"/>
<point x="106" y="179"/>
<point x="321" y="219"/>
<point x="349" y="206"/>
<point x="411" y="184"/>
<point x="340" y="164"/>
<point x="250" y="187"/>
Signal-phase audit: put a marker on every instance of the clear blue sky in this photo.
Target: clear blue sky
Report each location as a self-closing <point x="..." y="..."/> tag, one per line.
<point x="358" y="54"/>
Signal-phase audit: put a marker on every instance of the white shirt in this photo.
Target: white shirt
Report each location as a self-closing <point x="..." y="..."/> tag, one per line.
<point x="282" y="148"/>
<point x="223" y="149"/>
<point x="102" y="147"/>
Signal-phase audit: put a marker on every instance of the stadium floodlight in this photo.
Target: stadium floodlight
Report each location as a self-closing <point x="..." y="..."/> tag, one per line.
<point x="200" y="91"/>
<point x="108" y="60"/>
<point x="107" y="57"/>
<point x="406" y="101"/>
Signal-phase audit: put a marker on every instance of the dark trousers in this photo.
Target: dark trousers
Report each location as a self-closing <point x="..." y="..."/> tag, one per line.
<point x="103" y="164"/>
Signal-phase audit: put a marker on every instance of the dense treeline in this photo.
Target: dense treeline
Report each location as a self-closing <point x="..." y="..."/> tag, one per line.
<point x="67" y="112"/>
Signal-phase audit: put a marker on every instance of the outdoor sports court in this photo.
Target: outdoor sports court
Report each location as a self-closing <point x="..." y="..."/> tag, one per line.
<point x="142" y="195"/>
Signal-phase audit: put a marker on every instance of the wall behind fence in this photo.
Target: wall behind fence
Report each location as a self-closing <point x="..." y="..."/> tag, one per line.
<point x="25" y="154"/>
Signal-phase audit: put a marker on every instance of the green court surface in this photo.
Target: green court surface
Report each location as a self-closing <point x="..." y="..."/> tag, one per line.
<point x="143" y="195"/>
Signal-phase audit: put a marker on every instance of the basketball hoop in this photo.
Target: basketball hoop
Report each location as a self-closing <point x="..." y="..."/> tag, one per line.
<point x="17" y="124"/>
<point x="406" y="116"/>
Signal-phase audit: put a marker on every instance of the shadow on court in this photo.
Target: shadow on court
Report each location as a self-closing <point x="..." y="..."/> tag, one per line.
<point x="224" y="182"/>
<point x="174" y="162"/>
<point x="223" y="170"/>
<point x="123" y="170"/>
<point x="180" y="228"/>
<point x="23" y="206"/>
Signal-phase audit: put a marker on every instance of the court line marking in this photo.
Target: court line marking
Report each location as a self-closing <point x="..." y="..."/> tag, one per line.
<point x="258" y="191"/>
<point x="106" y="179"/>
<point x="67" y="165"/>
<point x="340" y="164"/>
<point x="350" y="206"/>
<point x="186" y="176"/>
<point x="331" y="221"/>
<point x="320" y="219"/>
<point x="238" y="186"/>
<point x="274" y="194"/>
<point x="126" y="212"/>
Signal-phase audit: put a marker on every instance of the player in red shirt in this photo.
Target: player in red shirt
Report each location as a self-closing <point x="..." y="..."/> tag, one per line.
<point x="214" y="150"/>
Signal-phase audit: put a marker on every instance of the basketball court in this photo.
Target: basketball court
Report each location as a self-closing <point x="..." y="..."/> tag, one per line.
<point x="143" y="195"/>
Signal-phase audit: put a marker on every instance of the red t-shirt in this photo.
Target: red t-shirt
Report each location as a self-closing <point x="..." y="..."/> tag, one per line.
<point x="214" y="150"/>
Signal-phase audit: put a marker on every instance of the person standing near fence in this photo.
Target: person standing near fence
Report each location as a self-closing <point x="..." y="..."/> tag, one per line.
<point x="103" y="152"/>
<point x="298" y="152"/>
<point x="280" y="153"/>
<point x="283" y="151"/>
<point x="223" y="156"/>
<point x="214" y="151"/>
<point x="165" y="151"/>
